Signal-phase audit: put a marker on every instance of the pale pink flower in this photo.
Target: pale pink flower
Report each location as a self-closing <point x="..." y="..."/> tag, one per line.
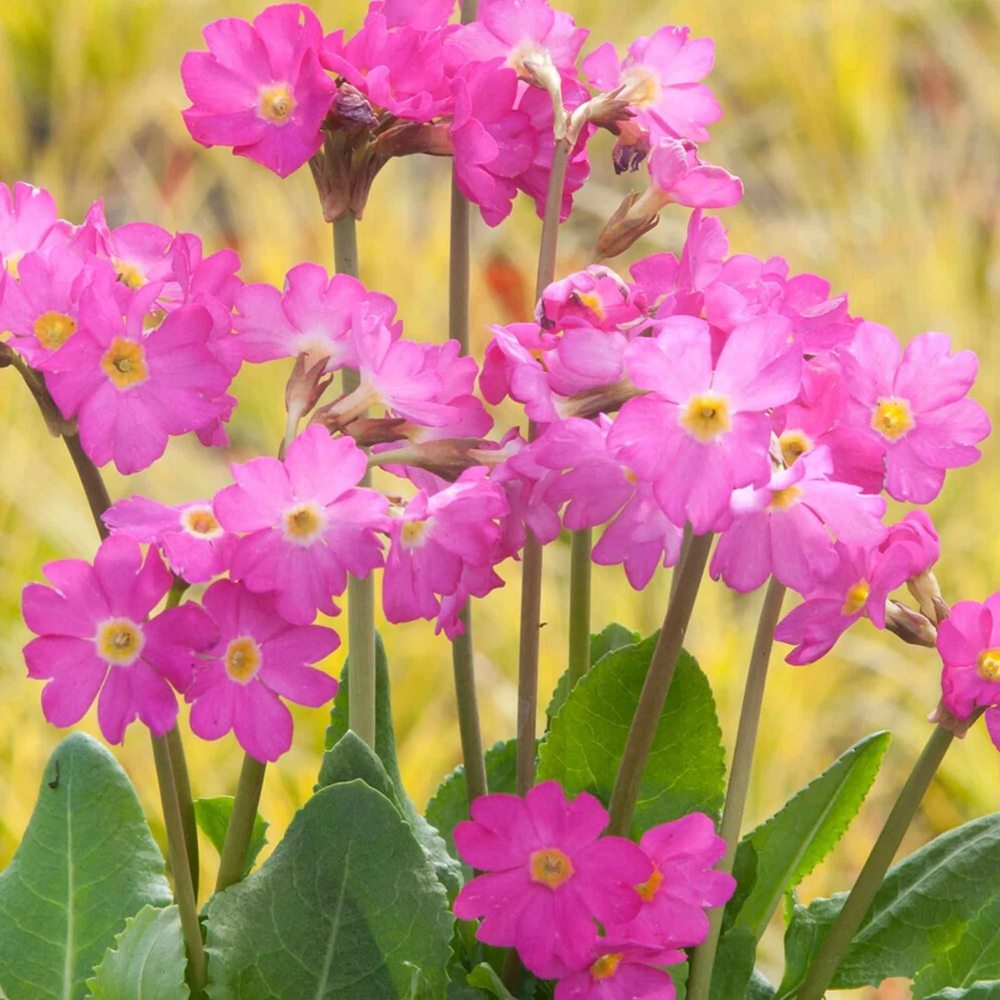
<point x="258" y="659"/>
<point x="512" y="367"/>
<point x="677" y="175"/>
<point x="260" y="88"/>
<point x="28" y="221"/>
<point x="526" y="485"/>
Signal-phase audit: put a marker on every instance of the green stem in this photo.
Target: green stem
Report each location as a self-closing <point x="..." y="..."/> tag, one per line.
<point x="360" y="593"/>
<point x="703" y="959"/>
<point x="657" y="685"/>
<point x="579" y="604"/>
<point x="233" y="861"/>
<point x="184" y="891"/>
<point x="857" y="904"/>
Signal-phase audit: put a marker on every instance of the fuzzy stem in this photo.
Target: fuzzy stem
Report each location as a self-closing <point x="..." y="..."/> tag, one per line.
<point x="657" y="685"/>
<point x="703" y="959"/>
<point x="233" y="861"/>
<point x="857" y="904"/>
<point x="579" y="604"/>
<point x="360" y="593"/>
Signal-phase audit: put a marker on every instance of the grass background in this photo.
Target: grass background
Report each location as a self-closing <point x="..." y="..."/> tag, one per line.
<point x="868" y="135"/>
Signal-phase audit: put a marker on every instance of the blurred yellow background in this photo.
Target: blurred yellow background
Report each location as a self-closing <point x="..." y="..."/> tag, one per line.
<point x="868" y="136"/>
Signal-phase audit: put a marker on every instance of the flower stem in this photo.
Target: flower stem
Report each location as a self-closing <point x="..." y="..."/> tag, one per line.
<point x="579" y="604"/>
<point x="857" y="904"/>
<point x="184" y="891"/>
<point x="657" y="685"/>
<point x="360" y="593"/>
<point x="233" y="861"/>
<point x="703" y="959"/>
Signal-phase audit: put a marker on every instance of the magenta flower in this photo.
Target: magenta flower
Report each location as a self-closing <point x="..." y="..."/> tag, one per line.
<point x="305" y="524"/>
<point x="28" y="221"/>
<point x="703" y="430"/>
<point x="969" y="644"/>
<point x="915" y="406"/>
<point x="423" y="14"/>
<point x="258" y="659"/>
<point x="195" y="544"/>
<point x="661" y="77"/>
<point x="512" y="367"/>
<point x="787" y="528"/>
<point x="548" y="875"/>
<point x="94" y="640"/>
<point x="677" y="175"/>
<point x="594" y="297"/>
<point x="622" y="970"/>
<point x="260" y="88"/>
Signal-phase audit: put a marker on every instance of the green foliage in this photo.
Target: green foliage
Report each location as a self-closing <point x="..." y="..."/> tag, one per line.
<point x="484" y="977"/>
<point x="979" y="991"/>
<point x="433" y="845"/>
<point x="352" y="758"/>
<point x="347" y="906"/>
<point x="922" y="909"/>
<point x="733" y="964"/>
<point x="792" y="842"/>
<point x="975" y="957"/>
<point x="686" y="768"/>
<point x="86" y="863"/>
<point x="212" y="816"/>
<point x="146" y="960"/>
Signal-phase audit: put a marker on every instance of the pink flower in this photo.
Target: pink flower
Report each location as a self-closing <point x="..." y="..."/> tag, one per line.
<point x="549" y="875"/>
<point x="512" y="367"/>
<point x="260" y="88"/>
<point x="423" y="14"/>
<point x="677" y="175"/>
<point x="258" y="659"/>
<point x="703" y="430"/>
<point x="661" y="79"/>
<point x="305" y="524"/>
<point x="622" y="970"/>
<point x="28" y="221"/>
<point x="94" y="640"/>
<point x="787" y="528"/>
<point x="915" y="406"/>
<point x="969" y="644"/>
<point x="526" y="485"/>
<point x="594" y="297"/>
<point x="195" y="544"/>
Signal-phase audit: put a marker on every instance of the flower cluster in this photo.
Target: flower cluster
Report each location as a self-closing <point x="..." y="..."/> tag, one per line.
<point x="549" y="879"/>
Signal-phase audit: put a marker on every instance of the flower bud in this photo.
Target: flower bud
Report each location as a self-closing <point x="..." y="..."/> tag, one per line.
<point x="350" y="109"/>
<point x="305" y="386"/>
<point x="909" y="625"/>
<point x="927" y="593"/>
<point x="624" y="228"/>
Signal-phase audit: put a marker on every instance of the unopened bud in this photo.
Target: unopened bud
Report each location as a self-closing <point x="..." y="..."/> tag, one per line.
<point x="447" y="458"/>
<point x="601" y="399"/>
<point x="631" y="149"/>
<point x="351" y="109"/>
<point x="624" y="228"/>
<point x="909" y="625"/>
<point x="607" y="111"/>
<point x="305" y="386"/>
<point x="369" y="431"/>
<point x="927" y="594"/>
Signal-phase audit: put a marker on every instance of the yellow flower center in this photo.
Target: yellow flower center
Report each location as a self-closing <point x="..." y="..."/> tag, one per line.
<point x="989" y="664"/>
<point x="648" y="889"/>
<point x="606" y="966"/>
<point x="276" y="103"/>
<point x="201" y="521"/>
<point x="783" y="499"/>
<point x="53" y="329"/>
<point x="892" y="418"/>
<point x="855" y="598"/>
<point x="592" y="302"/>
<point x="11" y="263"/>
<point x="415" y="533"/>
<point x="642" y="86"/>
<point x="128" y="274"/>
<point x="243" y="659"/>
<point x="124" y="363"/>
<point x="706" y="417"/>
<point x="551" y="867"/>
<point x="304" y="523"/>
<point x="794" y="444"/>
<point x="120" y="641"/>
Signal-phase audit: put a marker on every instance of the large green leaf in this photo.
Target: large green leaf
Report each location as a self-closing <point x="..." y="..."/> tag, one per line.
<point x="212" y="816"/>
<point x="352" y="758"/>
<point x="976" y="956"/>
<point x="686" y="768"/>
<point x="429" y="839"/>
<point x="87" y="862"/>
<point x="733" y="964"/>
<point x="147" y="960"/>
<point x="347" y="906"/>
<point x="793" y="841"/>
<point x="979" y="991"/>
<point x="922" y="909"/>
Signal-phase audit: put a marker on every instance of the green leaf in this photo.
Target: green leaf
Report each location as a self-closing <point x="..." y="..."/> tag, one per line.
<point x="793" y="841"/>
<point x="447" y="868"/>
<point x="922" y="909"/>
<point x="976" y="956"/>
<point x="352" y="758"/>
<point x="450" y="804"/>
<point x="733" y="964"/>
<point x="584" y="745"/>
<point x="87" y="862"/>
<point x="610" y="638"/>
<point x="979" y="991"/>
<point x="759" y="987"/>
<point x="147" y="960"/>
<point x="212" y="816"/>
<point x="347" y="906"/>
<point x="484" y="977"/>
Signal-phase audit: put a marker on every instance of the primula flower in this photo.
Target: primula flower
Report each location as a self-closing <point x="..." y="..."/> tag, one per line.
<point x="914" y="404"/>
<point x="195" y="544"/>
<point x="703" y="430"/>
<point x="622" y="970"/>
<point x="594" y="297"/>
<point x="28" y="221"/>
<point x="787" y="528"/>
<point x="660" y="78"/>
<point x="94" y="640"/>
<point x="512" y="367"/>
<point x="548" y="875"/>
<point x="258" y="659"/>
<point x="969" y="644"/>
<point x="677" y="175"/>
<point x="260" y="88"/>
<point x="305" y="524"/>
